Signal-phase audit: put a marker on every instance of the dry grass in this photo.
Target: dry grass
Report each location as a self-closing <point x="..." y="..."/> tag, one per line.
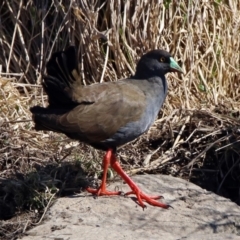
<point x="198" y="131"/>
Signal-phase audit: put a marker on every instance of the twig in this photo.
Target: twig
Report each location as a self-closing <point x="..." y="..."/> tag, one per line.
<point x="181" y="132"/>
<point x="105" y="64"/>
<point x="45" y="210"/>
<point x="204" y="151"/>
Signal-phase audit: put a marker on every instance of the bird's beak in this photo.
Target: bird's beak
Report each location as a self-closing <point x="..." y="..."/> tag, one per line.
<point x="174" y="66"/>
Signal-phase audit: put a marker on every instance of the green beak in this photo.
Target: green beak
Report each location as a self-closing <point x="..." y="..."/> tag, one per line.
<point x="174" y="66"/>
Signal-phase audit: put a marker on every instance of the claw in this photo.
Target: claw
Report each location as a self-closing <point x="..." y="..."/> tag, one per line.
<point x="152" y="197"/>
<point x="102" y="191"/>
<point x="149" y="199"/>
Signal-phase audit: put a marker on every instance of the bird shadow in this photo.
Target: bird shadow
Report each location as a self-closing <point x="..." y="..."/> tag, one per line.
<point x="30" y="191"/>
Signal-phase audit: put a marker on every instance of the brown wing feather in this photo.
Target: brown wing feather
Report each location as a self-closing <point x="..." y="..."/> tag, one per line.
<point x="113" y="105"/>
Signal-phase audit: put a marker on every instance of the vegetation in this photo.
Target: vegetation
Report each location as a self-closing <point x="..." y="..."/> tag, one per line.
<point x="197" y="135"/>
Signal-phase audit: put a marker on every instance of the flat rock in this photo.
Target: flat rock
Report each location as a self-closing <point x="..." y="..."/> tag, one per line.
<point x="195" y="214"/>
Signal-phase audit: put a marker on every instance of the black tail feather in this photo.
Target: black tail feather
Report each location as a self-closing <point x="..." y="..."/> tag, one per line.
<point x="59" y="79"/>
<point x="61" y="65"/>
<point x="46" y="118"/>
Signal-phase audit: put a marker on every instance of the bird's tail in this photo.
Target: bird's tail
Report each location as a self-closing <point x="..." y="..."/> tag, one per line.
<point x="62" y="73"/>
<point x="46" y="118"/>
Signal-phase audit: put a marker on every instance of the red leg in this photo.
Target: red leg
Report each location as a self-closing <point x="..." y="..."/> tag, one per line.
<point x="135" y="189"/>
<point x="102" y="189"/>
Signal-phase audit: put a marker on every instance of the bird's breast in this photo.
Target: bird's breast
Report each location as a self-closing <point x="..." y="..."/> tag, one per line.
<point x="134" y="129"/>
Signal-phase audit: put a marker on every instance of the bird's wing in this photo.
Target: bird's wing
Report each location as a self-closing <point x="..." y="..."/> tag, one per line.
<point x="103" y="109"/>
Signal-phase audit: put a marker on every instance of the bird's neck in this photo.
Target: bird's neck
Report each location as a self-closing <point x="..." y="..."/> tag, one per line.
<point x="159" y="88"/>
<point x="154" y="82"/>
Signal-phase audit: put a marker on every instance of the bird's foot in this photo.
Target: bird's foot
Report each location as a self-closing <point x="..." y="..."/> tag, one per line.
<point x="149" y="199"/>
<point x="135" y="189"/>
<point x="102" y="191"/>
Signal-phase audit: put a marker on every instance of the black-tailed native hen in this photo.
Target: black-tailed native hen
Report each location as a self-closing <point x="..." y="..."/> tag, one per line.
<point x="105" y="115"/>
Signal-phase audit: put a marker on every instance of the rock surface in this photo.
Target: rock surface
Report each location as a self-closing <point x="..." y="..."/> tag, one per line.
<point x="196" y="214"/>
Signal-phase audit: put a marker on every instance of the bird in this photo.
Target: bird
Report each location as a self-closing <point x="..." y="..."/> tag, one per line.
<point x="105" y="115"/>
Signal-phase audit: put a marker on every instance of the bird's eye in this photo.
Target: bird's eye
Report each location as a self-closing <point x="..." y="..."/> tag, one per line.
<point x="162" y="59"/>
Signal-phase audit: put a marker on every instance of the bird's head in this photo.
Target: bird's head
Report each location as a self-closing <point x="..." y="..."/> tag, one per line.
<point x="156" y="63"/>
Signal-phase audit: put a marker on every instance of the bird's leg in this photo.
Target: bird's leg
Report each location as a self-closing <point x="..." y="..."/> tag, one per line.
<point x="135" y="189"/>
<point x="102" y="189"/>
